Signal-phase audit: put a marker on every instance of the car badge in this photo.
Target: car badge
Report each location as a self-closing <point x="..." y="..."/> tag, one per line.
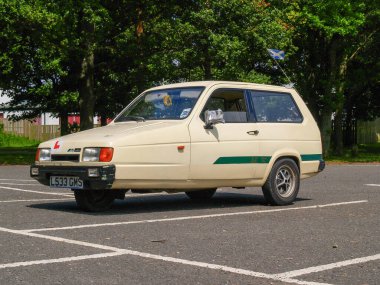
<point x="57" y="146"/>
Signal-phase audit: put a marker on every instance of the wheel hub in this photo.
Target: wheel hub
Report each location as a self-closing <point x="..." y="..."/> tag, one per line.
<point x="285" y="182"/>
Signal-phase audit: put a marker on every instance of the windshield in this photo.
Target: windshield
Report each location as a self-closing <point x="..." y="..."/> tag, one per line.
<point x="164" y="104"/>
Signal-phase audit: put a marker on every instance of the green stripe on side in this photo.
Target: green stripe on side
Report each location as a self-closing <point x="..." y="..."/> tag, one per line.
<point x="242" y="159"/>
<point x="311" y="157"/>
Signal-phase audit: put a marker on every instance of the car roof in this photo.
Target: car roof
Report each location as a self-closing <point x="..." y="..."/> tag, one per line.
<point x="213" y="83"/>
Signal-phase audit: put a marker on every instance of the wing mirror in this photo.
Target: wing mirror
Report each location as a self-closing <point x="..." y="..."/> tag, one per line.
<point x="213" y="117"/>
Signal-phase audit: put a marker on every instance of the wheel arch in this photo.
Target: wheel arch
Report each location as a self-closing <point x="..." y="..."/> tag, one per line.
<point x="289" y="154"/>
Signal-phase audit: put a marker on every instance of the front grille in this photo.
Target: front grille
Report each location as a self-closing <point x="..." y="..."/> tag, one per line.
<point x="65" y="157"/>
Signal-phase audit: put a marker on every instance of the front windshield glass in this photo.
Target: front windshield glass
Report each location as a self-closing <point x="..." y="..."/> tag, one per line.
<point x="164" y="104"/>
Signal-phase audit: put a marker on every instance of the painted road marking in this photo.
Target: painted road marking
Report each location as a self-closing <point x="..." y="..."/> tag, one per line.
<point x="373" y="185"/>
<point x="198" y="217"/>
<point x="18" y="184"/>
<point x="118" y="251"/>
<point x="132" y="195"/>
<point x="218" y="267"/>
<point x="81" y="243"/>
<point x="27" y="180"/>
<point x="39" y="192"/>
<point x="329" y="266"/>
<point x="59" y="260"/>
<point x="36" y="200"/>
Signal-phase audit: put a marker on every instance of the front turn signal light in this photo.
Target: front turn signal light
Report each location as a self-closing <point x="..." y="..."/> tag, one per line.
<point x="37" y="158"/>
<point x="106" y="154"/>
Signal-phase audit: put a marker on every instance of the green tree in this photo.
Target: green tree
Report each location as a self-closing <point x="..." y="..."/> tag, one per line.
<point x="47" y="61"/>
<point x="83" y="25"/>
<point x="222" y="40"/>
<point x="328" y="36"/>
<point x="30" y="59"/>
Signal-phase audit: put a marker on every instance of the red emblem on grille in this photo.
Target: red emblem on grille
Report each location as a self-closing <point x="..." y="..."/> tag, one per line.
<point x="56" y="146"/>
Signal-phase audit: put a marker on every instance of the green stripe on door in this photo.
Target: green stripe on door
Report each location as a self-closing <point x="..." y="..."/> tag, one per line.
<point x="242" y="159"/>
<point x="311" y="157"/>
<point x="260" y="159"/>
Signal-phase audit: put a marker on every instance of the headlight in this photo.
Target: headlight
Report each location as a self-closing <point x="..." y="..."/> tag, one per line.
<point x="91" y="154"/>
<point x="43" y="154"/>
<point x="94" y="154"/>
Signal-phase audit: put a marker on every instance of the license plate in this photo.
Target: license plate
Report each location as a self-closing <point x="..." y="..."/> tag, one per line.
<point x="66" y="182"/>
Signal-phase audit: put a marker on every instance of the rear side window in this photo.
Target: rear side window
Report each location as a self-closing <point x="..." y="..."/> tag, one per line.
<point x="275" y="107"/>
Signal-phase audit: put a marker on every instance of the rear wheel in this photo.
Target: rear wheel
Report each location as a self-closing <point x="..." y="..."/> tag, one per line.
<point x="200" y="195"/>
<point x="282" y="185"/>
<point x="94" y="200"/>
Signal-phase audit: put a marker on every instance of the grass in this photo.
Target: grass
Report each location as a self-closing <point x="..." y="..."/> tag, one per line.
<point x="364" y="153"/>
<point x="10" y="140"/>
<point x="15" y="149"/>
<point x="17" y="155"/>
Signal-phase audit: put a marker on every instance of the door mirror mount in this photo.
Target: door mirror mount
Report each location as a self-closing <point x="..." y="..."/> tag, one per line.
<point x="213" y="117"/>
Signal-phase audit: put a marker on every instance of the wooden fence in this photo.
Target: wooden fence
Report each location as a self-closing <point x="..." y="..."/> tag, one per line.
<point x="368" y="131"/>
<point x="31" y="131"/>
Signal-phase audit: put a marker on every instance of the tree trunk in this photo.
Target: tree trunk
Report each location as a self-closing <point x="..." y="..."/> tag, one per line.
<point x="207" y="65"/>
<point x="103" y="120"/>
<point x="330" y="98"/>
<point x="64" y="122"/>
<point x="87" y="96"/>
<point x="86" y="92"/>
<point x="340" y="89"/>
<point x="338" y="133"/>
<point x="140" y="72"/>
<point x="326" y="131"/>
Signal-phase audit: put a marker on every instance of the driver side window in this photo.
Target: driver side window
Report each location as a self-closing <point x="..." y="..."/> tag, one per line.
<point x="231" y="102"/>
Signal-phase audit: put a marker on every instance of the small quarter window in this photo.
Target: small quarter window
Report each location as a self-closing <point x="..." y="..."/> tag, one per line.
<point x="275" y="107"/>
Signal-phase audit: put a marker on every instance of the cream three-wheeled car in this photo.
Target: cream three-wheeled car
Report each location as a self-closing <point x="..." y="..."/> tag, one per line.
<point x="190" y="137"/>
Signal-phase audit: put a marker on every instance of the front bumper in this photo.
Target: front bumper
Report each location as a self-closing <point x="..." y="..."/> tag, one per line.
<point x="103" y="181"/>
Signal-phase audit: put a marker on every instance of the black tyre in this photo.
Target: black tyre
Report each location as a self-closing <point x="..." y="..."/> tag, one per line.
<point x="282" y="185"/>
<point x="94" y="200"/>
<point x="201" y="195"/>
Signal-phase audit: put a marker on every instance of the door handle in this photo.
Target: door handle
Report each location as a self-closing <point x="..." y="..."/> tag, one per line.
<point x="253" y="133"/>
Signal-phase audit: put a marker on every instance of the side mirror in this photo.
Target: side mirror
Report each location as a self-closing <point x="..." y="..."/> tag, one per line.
<point x="213" y="117"/>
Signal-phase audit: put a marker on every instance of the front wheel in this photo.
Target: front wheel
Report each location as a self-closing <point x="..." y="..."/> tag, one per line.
<point x="282" y="185"/>
<point x="94" y="200"/>
<point x="201" y="195"/>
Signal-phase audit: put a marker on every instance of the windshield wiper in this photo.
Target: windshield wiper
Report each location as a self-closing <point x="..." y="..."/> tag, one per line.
<point x="131" y="118"/>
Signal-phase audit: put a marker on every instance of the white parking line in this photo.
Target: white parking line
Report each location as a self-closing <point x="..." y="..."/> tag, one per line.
<point x="199" y="217"/>
<point x="374" y="185"/>
<point x="329" y="266"/>
<point x="27" y="180"/>
<point x="9" y="183"/>
<point x="39" y="192"/>
<point x="120" y="251"/>
<point x="132" y="195"/>
<point x="35" y="200"/>
<point x="81" y="243"/>
<point x="59" y="260"/>
<point x="284" y="277"/>
<point x="218" y="267"/>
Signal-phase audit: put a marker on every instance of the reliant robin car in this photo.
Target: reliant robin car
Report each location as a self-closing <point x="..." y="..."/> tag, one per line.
<point x="190" y="137"/>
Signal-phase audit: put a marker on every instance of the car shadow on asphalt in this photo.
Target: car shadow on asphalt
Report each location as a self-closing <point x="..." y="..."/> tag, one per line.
<point x="165" y="203"/>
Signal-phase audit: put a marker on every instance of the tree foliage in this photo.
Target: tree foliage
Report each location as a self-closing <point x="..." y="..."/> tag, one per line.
<point x="329" y="36"/>
<point x="94" y="56"/>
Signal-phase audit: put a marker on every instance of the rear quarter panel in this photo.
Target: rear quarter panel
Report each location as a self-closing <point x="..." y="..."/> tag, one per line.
<point x="301" y="141"/>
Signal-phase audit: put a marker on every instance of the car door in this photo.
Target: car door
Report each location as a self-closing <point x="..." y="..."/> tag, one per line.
<point x="229" y="150"/>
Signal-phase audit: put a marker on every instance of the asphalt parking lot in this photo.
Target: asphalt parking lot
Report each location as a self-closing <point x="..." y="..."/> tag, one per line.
<point x="331" y="235"/>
